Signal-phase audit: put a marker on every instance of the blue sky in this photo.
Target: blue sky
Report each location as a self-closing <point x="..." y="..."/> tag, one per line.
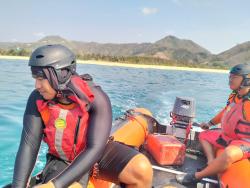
<point x="216" y="25"/>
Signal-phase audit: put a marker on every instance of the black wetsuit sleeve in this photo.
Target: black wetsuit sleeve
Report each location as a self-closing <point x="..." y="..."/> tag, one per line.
<point x="100" y="124"/>
<point x="30" y="143"/>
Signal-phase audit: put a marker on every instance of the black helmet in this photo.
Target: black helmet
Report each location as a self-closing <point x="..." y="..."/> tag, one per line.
<point x="56" y="56"/>
<point x="242" y="70"/>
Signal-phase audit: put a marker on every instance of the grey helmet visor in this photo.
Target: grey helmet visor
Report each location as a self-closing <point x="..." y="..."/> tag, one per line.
<point x="37" y="72"/>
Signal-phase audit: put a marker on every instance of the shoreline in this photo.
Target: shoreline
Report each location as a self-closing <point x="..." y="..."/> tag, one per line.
<point x="107" y="63"/>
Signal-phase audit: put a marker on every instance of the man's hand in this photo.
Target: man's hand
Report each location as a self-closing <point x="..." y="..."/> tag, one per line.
<point x="205" y="126"/>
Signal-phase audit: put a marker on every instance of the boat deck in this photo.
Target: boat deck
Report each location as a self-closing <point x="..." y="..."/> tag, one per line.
<point x="191" y="164"/>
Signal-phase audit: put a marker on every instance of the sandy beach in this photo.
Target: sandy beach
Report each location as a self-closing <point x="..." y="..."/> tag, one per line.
<point x="14" y="57"/>
<point x="107" y="63"/>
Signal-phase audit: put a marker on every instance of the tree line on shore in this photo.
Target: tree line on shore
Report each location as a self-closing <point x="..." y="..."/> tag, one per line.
<point x="124" y="59"/>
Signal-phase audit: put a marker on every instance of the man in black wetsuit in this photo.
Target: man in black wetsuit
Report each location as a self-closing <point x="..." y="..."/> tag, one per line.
<point x="74" y="118"/>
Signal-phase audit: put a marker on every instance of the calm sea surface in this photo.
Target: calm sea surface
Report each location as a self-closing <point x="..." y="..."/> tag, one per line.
<point x="127" y="88"/>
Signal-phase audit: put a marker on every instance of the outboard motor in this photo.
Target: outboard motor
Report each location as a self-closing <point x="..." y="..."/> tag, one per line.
<point x="182" y="118"/>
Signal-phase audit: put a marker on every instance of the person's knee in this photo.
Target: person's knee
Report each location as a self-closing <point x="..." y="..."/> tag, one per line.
<point x="232" y="154"/>
<point x="137" y="173"/>
<point x="143" y="169"/>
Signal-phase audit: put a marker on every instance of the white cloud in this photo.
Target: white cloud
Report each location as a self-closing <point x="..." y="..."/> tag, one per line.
<point x="147" y="11"/>
<point x="39" y="34"/>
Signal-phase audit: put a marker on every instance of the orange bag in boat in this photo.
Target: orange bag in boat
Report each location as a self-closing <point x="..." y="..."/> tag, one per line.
<point x="166" y="149"/>
<point x="133" y="130"/>
<point x="237" y="175"/>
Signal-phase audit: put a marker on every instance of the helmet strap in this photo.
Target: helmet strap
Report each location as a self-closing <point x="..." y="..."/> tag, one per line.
<point x="62" y="80"/>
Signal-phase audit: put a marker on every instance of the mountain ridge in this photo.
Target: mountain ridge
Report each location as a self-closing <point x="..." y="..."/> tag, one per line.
<point x="167" y="48"/>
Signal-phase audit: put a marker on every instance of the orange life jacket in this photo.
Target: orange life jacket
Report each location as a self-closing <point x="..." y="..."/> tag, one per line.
<point x="233" y="122"/>
<point x="65" y="129"/>
<point x="233" y="97"/>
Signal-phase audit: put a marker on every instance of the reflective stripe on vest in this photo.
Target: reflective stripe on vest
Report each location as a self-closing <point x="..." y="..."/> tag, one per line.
<point x="59" y="133"/>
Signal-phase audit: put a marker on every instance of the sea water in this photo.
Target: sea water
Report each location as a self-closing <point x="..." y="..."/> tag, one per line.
<point x="127" y="88"/>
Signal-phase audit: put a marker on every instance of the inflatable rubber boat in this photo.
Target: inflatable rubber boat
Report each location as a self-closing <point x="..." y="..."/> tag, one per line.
<point x="172" y="149"/>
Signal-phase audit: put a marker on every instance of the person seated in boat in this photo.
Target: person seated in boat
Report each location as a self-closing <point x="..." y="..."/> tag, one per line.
<point x="234" y="134"/>
<point x="74" y="117"/>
